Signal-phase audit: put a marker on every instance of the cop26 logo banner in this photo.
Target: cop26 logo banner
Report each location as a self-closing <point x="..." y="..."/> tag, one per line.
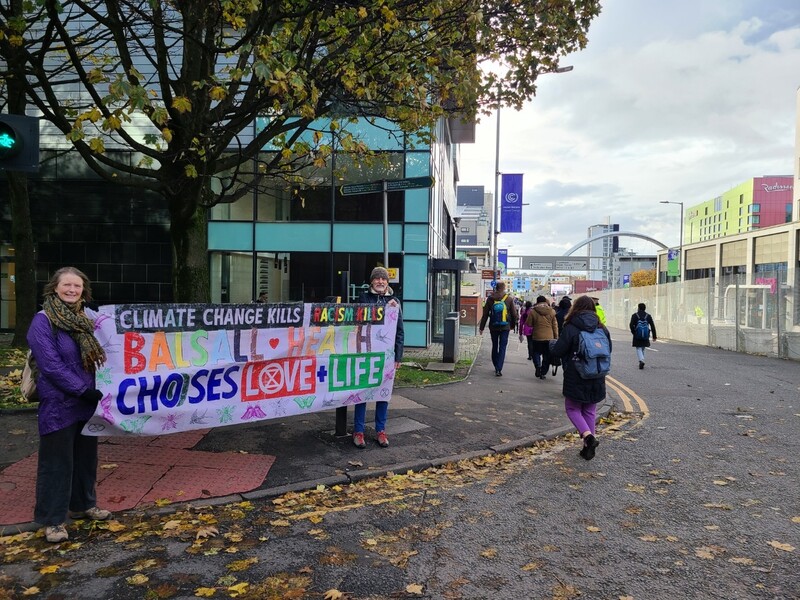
<point x="511" y="203"/>
<point x="178" y="367"/>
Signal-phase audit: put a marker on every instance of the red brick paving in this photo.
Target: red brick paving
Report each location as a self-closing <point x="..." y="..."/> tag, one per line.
<point x="137" y="471"/>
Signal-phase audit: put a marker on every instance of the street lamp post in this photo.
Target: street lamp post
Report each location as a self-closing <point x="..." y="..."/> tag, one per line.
<point x="496" y="199"/>
<point x="680" y="250"/>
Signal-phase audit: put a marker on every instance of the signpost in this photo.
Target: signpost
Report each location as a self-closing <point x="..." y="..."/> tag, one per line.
<point x="386" y="186"/>
<point x="392" y="185"/>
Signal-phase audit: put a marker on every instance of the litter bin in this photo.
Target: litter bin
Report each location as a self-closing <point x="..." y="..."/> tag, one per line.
<point x="450" y="343"/>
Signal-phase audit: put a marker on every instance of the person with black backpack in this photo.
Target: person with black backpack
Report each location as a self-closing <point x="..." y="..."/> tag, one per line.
<point x="501" y="314"/>
<point x="584" y="347"/>
<point x="642" y="327"/>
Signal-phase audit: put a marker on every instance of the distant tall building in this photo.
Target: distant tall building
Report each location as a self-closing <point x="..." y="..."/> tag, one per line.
<point x="758" y="202"/>
<point x="600" y="253"/>
<point x="473" y="228"/>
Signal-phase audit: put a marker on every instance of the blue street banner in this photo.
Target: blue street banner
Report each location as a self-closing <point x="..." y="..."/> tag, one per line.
<point x="511" y="204"/>
<point x="502" y="260"/>
<point x="178" y="367"/>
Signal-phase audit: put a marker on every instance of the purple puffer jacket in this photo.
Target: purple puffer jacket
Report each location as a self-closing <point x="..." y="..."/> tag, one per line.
<point x="62" y="378"/>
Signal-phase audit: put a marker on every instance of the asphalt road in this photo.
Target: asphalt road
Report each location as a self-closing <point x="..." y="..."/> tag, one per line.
<point x="694" y="495"/>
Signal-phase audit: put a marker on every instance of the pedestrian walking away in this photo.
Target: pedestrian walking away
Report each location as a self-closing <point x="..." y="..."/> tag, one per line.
<point x="379" y="293"/>
<point x="62" y="342"/>
<point x="642" y="327"/>
<point x="581" y="396"/>
<point x="542" y="320"/>
<point x="525" y="330"/>
<point x="501" y="314"/>
<point x="601" y="313"/>
<point x="561" y="312"/>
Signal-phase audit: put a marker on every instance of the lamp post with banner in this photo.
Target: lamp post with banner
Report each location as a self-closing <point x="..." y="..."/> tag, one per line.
<point x="497" y="173"/>
<point x="670" y="253"/>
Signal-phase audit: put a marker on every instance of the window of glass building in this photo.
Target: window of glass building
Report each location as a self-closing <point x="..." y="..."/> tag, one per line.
<point x="351" y="169"/>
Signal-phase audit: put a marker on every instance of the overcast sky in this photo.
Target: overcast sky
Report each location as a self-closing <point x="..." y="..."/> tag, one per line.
<point x="671" y="100"/>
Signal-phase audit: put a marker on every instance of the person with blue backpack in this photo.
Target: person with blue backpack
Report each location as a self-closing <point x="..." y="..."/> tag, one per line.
<point x="584" y="347"/>
<point x="642" y="327"/>
<point x="501" y="314"/>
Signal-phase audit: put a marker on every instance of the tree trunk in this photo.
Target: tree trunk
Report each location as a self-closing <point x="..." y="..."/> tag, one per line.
<point x="24" y="264"/>
<point x="21" y="228"/>
<point x="190" y="277"/>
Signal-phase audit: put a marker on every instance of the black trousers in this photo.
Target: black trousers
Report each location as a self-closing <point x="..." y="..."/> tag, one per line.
<point x="66" y="474"/>
<point x="541" y="354"/>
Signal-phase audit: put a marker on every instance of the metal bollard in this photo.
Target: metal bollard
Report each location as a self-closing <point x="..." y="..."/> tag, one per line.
<point x="450" y="342"/>
<point x="341" y="421"/>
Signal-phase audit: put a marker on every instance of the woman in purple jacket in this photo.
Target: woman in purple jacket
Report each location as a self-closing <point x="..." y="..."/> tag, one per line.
<point x="61" y="339"/>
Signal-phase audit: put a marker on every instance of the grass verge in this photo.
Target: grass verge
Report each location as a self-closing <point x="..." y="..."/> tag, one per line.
<point x="413" y="376"/>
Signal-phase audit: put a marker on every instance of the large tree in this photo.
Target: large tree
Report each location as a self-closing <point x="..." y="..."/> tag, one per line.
<point x="178" y="82"/>
<point x="13" y="100"/>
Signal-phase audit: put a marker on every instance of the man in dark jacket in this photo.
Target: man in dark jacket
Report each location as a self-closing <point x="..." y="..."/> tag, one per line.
<point x="640" y="342"/>
<point x="563" y="308"/>
<point x="581" y="396"/>
<point x="499" y="328"/>
<point x="381" y="294"/>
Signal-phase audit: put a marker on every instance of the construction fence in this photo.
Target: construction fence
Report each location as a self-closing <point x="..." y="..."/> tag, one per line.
<point x="758" y="318"/>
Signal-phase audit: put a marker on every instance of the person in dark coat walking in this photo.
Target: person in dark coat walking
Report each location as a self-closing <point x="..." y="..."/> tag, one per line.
<point x="381" y="294"/>
<point x="581" y="396"/>
<point x="61" y="339"/>
<point x="640" y="342"/>
<point x="561" y="312"/>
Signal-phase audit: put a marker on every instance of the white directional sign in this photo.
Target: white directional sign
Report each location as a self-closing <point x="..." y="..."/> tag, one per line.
<point x="574" y="265"/>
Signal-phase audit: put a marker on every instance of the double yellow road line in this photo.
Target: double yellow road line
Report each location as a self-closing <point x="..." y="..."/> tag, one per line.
<point x="628" y="397"/>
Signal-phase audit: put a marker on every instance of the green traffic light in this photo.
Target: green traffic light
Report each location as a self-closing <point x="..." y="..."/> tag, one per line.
<point x="19" y="143"/>
<point x="7" y="141"/>
<point x="10" y="142"/>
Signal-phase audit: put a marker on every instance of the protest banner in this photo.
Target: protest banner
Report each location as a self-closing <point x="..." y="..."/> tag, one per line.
<point x="178" y="367"/>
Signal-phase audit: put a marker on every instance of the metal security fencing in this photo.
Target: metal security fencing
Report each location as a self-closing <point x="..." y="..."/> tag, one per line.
<point x="755" y="318"/>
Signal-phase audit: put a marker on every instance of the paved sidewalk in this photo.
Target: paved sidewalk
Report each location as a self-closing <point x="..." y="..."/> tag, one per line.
<point x="427" y="427"/>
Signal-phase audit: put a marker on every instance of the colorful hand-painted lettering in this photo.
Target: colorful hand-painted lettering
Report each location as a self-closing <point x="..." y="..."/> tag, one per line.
<point x="177" y="367"/>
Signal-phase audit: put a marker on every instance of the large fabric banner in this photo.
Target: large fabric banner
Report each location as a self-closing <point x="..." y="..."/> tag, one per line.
<point x="511" y="205"/>
<point x="177" y="367"/>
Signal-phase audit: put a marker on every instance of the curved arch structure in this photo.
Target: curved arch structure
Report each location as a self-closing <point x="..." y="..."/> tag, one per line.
<point x="605" y="235"/>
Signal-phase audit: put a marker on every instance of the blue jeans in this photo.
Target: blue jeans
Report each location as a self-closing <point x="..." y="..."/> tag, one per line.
<point x="66" y="475"/>
<point x="499" y="343"/>
<point x="360" y="415"/>
<point x="640" y="353"/>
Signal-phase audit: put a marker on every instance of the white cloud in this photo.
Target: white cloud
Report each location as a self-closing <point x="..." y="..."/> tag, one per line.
<point x="670" y="100"/>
